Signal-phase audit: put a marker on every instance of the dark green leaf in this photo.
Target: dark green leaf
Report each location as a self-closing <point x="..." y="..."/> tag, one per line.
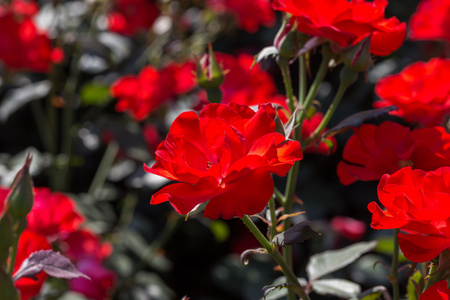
<point x="413" y="282"/>
<point x="265" y="53"/>
<point x="296" y="234"/>
<point x="357" y="119"/>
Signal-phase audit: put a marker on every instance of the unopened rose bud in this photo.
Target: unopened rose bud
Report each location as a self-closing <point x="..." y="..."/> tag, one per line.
<point x="288" y="40"/>
<point x="210" y="75"/>
<point x="357" y="57"/>
<point x="21" y="197"/>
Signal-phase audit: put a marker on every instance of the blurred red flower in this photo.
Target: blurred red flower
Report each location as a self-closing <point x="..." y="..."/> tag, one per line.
<point x="132" y="16"/>
<point x="30" y="242"/>
<point x="375" y="150"/>
<point x="416" y="202"/>
<point x="142" y="94"/>
<point x="349" y="228"/>
<point x="421" y="92"/>
<point x="24" y="46"/>
<point x="346" y="23"/>
<point x="53" y="214"/>
<point x="101" y="283"/>
<point x="431" y="21"/>
<point x="250" y="14"/>
<point x="438" y="291"/>
<point x="84" y="244"/>
<point x="225" y="155"/>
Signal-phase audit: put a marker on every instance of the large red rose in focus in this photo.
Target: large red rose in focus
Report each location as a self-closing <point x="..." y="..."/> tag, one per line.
<point x="375" y="150"/>
<point x="418" y="203"/>
<point x="431" y="21"/>
<point x="346" y="23"/>
<point x="421" y="92"/>
<point x="438" y="291"/>
<point x="225" y="155"/>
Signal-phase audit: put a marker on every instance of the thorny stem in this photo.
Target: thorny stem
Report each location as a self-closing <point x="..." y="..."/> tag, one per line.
<point x="273" y="218"/>
<point x="276" y="256"/>
<point x="394" y="272"/>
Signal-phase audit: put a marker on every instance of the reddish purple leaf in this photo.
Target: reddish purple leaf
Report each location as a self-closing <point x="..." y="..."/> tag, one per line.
<point x="52" y="263"/>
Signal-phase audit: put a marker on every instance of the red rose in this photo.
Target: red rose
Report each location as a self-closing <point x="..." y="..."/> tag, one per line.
<point x="375" y="150"/>
<point x="53" y="214"/>
<point x="431" y="21"/>
<point x="346" y="23"/>
<point x="418" y="203"/>
<point x="132" y="16"/>
<point x="225" y="155"/>
<point x="250" y="14"/>
<point x="101" y="283"/>
<point x="140" y="95"/>
<point x="438" y="291"/>
<point x="421" y="92"/>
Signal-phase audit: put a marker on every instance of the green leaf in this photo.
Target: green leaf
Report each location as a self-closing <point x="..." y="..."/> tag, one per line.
<point x="329" y="261"/>
<point x="7" y="287"/>
<point x="296" y="234"/>
<point x="357" y="119"/>
<point x="337" y="287"/>
<point x="95" y="94"/>
<point x="414" y="280"/>
<point x="375" y="293"/>
<point x="386" y="246"/>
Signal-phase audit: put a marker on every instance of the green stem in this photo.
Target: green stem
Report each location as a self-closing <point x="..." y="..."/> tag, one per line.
<point x="273" y="218"/>
<point x="279" y="196"/>
<point x="312" y="93"/>
<point x="103" y="168"/>
<point x="347" y="78"/>
<point x="394" y="269"/>
<point x="43" y="126"/>
<point x="433" y="275"/>
<point x="302" y="79"/>
<point x="12" y="255"/>
<point x="276" y="256"/>
<point x="283" y="63"/>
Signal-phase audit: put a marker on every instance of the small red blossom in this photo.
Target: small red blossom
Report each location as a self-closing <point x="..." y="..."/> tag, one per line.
<point x="375" y="150"/>
<point x="53" y="214"/>
<point x="438" y="291"/>
<point x="346" y="23"/>
<point x="431" y="21"/>
<point x="101" y="282"/>
<point x="132" y="16"/>
<point x="23" y="45"/>
<point x="140" y="95"/>
<point x="250" y="14"/>
<point x="349" y="228"/>
<point x="84" y="244"/>
<point x="319" y="146"/>
<point x="224" y="155"/>
<point x="421" y="92"/>
<point x="417" y="203"/>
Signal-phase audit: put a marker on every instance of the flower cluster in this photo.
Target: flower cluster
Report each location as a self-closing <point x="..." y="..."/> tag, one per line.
<point x="55" y="222"/>
<point x="224" y="155"/>
<point x="375" y="150"/>
<point x="24" y="46"/>
<point x="345" y="23"/>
